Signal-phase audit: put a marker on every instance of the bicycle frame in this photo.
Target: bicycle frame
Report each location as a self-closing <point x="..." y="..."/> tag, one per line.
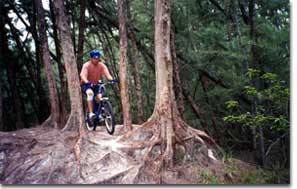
<point x="97" y="106"/>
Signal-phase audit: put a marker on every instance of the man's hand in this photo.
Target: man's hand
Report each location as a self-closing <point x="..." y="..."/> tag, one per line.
<point x="113" y="81"/>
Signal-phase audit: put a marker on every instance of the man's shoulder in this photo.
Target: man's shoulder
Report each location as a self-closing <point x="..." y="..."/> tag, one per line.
<point x="102" y="64"/>
<point x="86" y="64"/>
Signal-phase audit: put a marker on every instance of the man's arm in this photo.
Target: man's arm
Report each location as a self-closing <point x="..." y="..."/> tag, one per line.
<point x="84" y="74"/>
<point x="106" y="73"/>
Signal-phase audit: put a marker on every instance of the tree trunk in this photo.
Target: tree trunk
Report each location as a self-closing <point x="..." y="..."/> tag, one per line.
<point x="3" y="38"/>
<point x="1" y="109"/>
<point x="137" y="81"/>
<point x="76" y="119"/>
<point x="167" y="131"/>
<point x="10" y="64"/>
<point x="136" y="69"/>
<point x="123" y="68"/>
<point x="55" y="109"/>
<point x="165" y="106"/>
<point x="63" y="89"/>
<point x="204" y="79"/>
<point x="255" y="81"/>
<point x="43" y="104"/>
<point x="176" y="77"/>
<point x="81" y="29"/>
<point x="197" y="111"/>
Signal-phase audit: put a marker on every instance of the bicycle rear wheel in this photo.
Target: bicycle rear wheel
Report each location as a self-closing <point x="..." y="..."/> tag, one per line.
<point x="108" y="117"/>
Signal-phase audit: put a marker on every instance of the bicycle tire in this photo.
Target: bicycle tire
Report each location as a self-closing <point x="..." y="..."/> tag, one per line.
<point x="109" y="119"/>
<point x="89" y="125"/>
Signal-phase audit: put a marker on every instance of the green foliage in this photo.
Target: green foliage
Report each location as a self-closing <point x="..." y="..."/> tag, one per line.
<point x="273" y="116"/>
<point x="252" y="73"/>
<point x="207" y="177"/>
<point x="232" y="104"/>
<point x="206" y="40"/>
<point x="264" y="176"/>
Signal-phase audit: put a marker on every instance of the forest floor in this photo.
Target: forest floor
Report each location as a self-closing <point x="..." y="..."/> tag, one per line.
<point x="44" y="155"/>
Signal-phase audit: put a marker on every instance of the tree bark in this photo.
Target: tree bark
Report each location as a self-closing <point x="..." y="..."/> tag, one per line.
<point x="43" y="105"/>
<point x="123" y="67"/>
<point x="165" y="105"/>
<point x="63" y="89"/>
<point x="54" y="117"/>
<point x="76" y="118"/>
<point x="81" y="38"/>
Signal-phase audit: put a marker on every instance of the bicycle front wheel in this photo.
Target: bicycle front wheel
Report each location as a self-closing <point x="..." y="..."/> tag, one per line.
<point x="109" y="117"/>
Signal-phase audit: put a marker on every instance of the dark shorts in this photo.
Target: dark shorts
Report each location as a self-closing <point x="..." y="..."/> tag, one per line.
<point x="96" y="90"/>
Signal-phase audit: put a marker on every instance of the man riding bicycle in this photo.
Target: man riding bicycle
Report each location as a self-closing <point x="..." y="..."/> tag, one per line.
<point x="91" y="72"/>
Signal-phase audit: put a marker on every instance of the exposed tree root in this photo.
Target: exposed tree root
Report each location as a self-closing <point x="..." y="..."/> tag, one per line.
<point x="48" y="156"/>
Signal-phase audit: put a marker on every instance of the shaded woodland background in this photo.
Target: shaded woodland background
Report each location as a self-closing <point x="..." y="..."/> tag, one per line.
<point x="233" y="66"/>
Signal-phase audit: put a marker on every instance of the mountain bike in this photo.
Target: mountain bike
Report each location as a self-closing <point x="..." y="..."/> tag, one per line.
<point x="102" y="110"/>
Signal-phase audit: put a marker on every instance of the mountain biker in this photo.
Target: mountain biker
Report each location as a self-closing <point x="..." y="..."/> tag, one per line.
<point x="91" y="72"/>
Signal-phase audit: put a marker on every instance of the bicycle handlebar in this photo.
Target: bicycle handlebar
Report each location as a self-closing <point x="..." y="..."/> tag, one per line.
<point x="104" y="83"/>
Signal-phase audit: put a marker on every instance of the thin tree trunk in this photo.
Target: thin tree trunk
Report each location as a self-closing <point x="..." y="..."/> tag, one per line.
<point x="255" y="81"/>
<point x="227" y="4"/>
<point x="123" y="68"/>
<point x="55" y="109"/>
<point x="137" y="81"/>
<point x="5" y="56"/>
<point x="76" y="119"/>
<point x="197" y="111"/>
<point x="1" y="109"/>
<point x="204" y="82"/>
<point x="176" y="77"/>
<point x="136" y="69"/>
<point x="22" y="48"/>
<point x="81" y="29"/>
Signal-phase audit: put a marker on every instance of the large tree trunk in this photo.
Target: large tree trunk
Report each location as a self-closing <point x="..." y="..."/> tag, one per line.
<point x="165" y="109"/>
<point x="165" y="124"/>
<point x="55" y="109"/>
<point x="75" y="121"/>
<point x="63" y="89"/>
<point x="123" y="67"/>
<point x="165" y="131"/>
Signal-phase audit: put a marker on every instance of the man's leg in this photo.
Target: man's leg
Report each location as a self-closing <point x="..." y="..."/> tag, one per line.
<point x="98" y="98"/>
<point x="90" y="97"/>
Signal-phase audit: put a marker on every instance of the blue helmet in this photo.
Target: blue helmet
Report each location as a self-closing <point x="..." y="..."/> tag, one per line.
<point x="95" y="54"/>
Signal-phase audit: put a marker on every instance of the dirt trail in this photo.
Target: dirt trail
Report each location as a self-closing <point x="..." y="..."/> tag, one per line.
<point x="44" y="155"/>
